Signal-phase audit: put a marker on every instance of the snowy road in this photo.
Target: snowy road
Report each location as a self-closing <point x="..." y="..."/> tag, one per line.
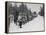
<point x="34" y="25"/>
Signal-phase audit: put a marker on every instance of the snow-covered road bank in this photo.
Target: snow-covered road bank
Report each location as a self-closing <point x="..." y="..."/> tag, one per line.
<point x="37" y="24"/>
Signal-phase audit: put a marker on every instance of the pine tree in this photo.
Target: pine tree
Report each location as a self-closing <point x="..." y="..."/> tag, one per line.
<point x="41" y="13"/>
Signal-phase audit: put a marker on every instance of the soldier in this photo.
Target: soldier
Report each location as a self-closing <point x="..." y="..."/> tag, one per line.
<point x="20" y="21"/>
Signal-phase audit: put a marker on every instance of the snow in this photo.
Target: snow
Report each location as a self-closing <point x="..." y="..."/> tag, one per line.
<point x="37" y="24"/>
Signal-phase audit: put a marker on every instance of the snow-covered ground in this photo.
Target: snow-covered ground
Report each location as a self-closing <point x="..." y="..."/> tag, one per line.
<point x="37" y="24"/>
